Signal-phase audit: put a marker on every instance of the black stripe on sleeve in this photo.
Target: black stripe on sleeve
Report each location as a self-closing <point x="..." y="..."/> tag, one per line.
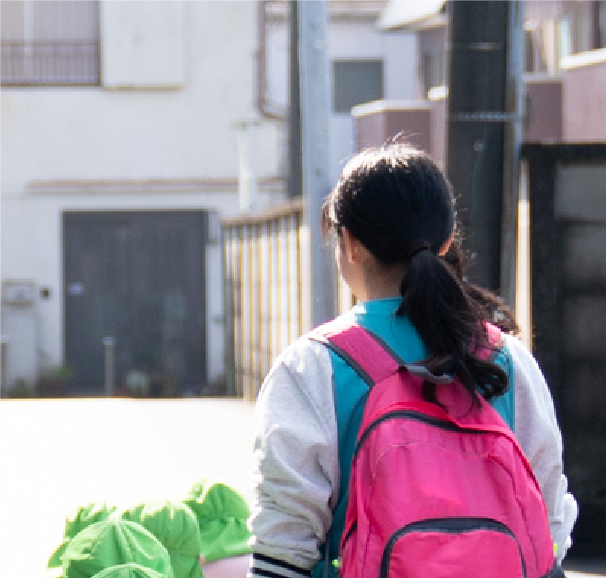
<point x="268" y="567"/>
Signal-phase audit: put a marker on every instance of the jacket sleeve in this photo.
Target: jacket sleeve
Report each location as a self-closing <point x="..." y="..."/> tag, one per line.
<point x="538" y="432"/>
<point x="296" y="468"/>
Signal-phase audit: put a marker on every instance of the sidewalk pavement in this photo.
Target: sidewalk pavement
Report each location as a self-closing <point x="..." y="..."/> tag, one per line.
<point x="56" y="455"/>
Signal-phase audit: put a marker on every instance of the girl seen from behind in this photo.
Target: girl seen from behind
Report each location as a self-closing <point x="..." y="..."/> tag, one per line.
<point x="392" y="217"/>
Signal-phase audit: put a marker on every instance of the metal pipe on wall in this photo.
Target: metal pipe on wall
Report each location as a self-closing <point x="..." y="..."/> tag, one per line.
<point x="109" y="344"/>
<point x="515" y="100"/>
<point x="3" y="364"/>
<point x="267" y="109"/>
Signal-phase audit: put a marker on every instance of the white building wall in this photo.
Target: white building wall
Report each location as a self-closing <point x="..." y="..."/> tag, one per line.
<point x="142" y="48"/>
<point x="348" y="38"/>
<point x="155" y="137"/>
<point x="178" y="80"/>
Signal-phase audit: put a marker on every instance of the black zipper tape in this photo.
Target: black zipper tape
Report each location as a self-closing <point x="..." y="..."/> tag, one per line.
<point x="446" y="526"/>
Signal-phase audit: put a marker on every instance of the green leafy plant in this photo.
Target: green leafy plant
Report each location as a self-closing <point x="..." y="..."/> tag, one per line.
<point x="58" y="372"/>
<point x="21" y="389"/>
<point x="53" y="381"/>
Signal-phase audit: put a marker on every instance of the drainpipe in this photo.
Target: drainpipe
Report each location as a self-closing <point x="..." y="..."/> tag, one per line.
<point x="268" y="110"/>
<point x="295" y="144"/>
<point x="272" y="111"/>
<point x="3" y="364"/>
<point x="514" y="109"/>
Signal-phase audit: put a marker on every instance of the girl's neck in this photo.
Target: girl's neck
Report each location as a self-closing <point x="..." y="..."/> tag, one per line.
<point x="380" y="286"/>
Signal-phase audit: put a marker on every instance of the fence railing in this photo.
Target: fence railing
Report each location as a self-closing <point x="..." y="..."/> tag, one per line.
<point x="265" y="296"/>
<point x="268" y="292"/>
<point x="35" y="63"/>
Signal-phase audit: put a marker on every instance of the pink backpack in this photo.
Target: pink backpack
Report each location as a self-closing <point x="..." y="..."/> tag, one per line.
<point x="435" y="493"/>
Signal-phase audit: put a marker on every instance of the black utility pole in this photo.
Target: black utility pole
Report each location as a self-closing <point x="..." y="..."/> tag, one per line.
<point x="481" y="107"/>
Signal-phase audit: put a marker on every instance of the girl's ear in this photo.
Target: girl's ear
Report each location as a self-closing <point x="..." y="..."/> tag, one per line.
<point x="351" y="245"/>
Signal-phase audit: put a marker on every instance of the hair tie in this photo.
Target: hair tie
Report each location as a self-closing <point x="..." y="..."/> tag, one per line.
<point x="417" y="248"/>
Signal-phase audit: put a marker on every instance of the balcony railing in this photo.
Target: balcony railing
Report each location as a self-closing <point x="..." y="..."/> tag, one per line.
<point x="49" y="63"/>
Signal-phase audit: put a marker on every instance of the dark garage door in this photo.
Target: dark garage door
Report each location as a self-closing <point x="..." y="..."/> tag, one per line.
<point x="136" y="277"/>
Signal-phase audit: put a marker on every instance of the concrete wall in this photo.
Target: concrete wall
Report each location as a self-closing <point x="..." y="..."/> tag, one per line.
<point x="381" y="121"/>
<point x="161" y="132"/>
<point x="142" y="48"/>
<point x="439" y="103"/>
<point x="544" y="109"/>
<point x="584" y="78"/>
<point x="420" y="123"/>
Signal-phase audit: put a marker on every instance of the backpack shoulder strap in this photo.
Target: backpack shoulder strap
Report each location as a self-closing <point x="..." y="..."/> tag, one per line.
<point x="370" y="356"/>
<point x="372" y="360"/>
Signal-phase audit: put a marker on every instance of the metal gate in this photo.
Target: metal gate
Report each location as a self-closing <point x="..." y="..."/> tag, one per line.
<point x="567" y="188"/>
<point x="134" y="286"/>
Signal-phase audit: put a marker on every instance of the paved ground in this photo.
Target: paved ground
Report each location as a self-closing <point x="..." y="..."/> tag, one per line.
<point x="58" y="454"/>
<point x="593" y="571"/>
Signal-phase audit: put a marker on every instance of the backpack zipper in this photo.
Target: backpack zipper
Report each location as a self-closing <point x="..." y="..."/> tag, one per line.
<point x="417" y="416"/>
<point x="447" y="526"/>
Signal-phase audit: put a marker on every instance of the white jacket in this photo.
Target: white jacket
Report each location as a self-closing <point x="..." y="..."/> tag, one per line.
<point x="296" y="477"/>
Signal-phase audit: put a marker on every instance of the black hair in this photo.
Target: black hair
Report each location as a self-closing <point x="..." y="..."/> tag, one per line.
<point x="400" y="206"/>
<point x="494" y="309"/>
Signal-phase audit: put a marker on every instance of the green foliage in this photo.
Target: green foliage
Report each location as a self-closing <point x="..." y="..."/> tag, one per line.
<point x="53" y="382"/>
<point x="20" y="390"/>
<point x="58" y="372"/>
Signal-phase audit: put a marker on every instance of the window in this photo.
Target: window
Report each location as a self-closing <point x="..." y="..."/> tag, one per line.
<point x="576" y="27"/>
<point x="547" y="41"/>
<point x="49" y="42"/>
<point x="587" y="24"/>
<point x="356" y="82"/>
<point x="432" y="49"/>
<point x="433" y="69"/>
<point x="534" y="47"/>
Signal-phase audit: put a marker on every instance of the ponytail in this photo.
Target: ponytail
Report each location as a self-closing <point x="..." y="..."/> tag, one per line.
<point x="493" y="308"/>
<point x="451" y="324"/>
